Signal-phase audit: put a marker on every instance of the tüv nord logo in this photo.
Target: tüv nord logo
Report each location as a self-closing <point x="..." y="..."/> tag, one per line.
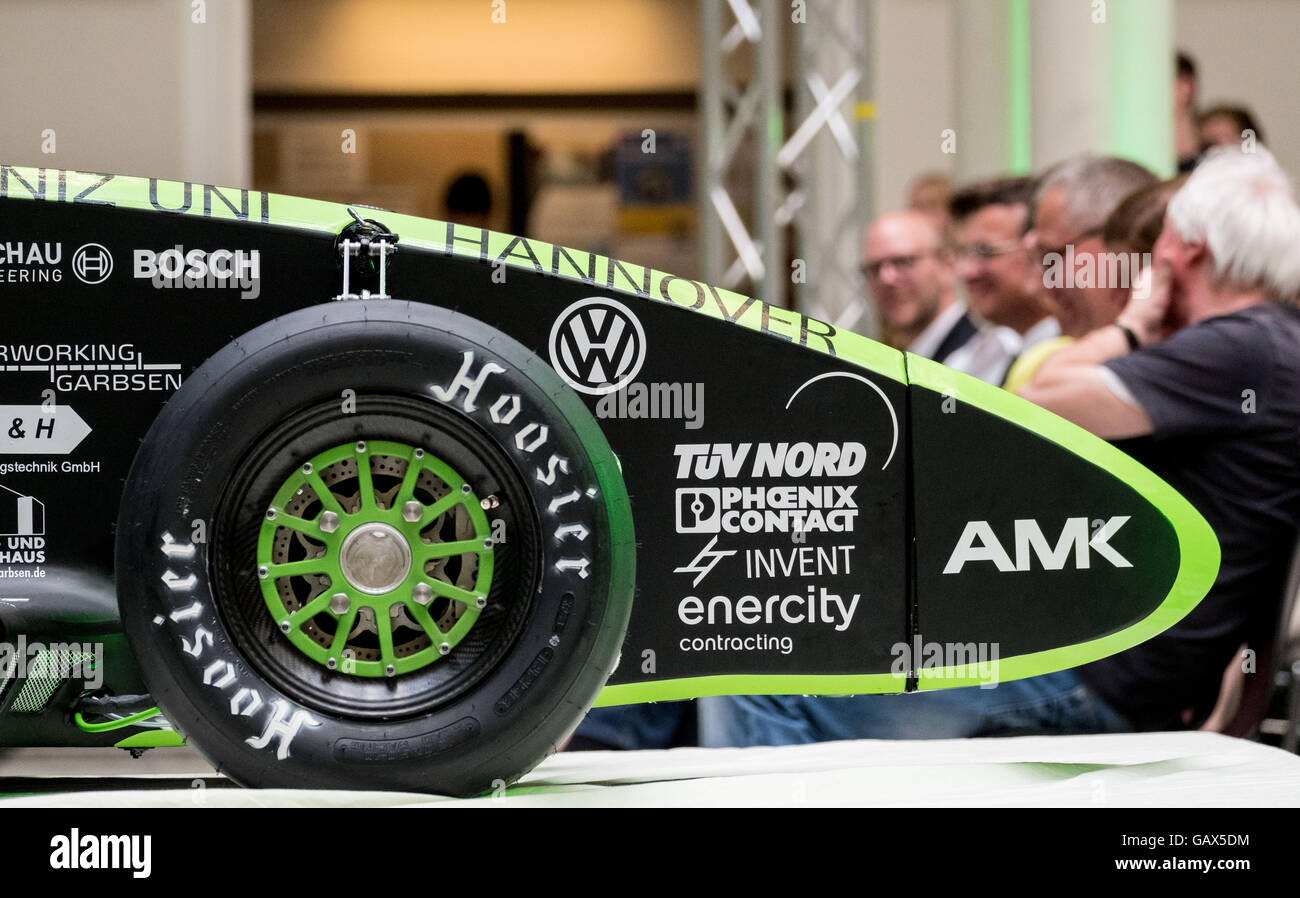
<point x="597" y="345"/>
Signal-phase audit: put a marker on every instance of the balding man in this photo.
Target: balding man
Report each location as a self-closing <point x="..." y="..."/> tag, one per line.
<point x="910" y="276"/>
<point x="1072" y="203"/>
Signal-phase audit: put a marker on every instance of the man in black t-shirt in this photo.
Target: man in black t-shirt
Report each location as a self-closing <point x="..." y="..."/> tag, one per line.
<point x="1199" y="379"/>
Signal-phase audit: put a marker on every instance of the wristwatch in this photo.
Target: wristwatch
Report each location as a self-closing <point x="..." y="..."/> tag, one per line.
<point x="1133" y="342"/>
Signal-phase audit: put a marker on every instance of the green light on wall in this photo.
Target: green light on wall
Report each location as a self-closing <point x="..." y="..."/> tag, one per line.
<point x="1141" y="101"/>
<point x="1019" y="148"/>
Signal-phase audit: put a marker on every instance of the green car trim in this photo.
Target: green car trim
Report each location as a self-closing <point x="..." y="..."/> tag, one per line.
<point x="490" y="247"/>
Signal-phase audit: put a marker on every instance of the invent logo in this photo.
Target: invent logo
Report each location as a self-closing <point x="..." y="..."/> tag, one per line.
<point x="597" y="345"/>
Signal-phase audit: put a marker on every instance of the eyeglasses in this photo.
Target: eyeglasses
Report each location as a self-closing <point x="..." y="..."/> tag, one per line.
<point x="902" y="264"/>
<point x="1059" y="251"/>
<point x="986" y="251"/>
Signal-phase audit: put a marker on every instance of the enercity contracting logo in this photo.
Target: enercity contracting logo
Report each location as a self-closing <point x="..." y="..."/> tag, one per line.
<point x="597" y="345"/>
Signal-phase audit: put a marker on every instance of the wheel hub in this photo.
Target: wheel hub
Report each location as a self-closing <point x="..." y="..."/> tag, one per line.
<point x="375" y="558"/>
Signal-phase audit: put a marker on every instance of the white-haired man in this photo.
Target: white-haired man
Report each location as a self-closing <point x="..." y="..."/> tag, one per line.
<point x="1201" y="377"/>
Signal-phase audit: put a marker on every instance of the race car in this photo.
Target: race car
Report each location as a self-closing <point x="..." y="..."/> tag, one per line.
<point x="352" y="499"/>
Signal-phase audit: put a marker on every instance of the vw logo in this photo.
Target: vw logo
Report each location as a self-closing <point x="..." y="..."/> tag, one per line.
<point x="92" y="264"/>
<point x="597" y="345"/>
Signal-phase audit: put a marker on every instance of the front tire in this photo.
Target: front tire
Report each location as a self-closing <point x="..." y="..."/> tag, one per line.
<point x="375" y="545"/>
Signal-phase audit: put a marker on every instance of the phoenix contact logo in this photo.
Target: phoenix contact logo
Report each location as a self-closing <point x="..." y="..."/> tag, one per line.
<point x="92" y="264"/>
<point x="597" y="345"/>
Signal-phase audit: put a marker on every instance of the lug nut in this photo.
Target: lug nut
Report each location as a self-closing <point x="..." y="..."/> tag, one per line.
<point x="465" y="488"/>
<point x="263" y="573"/>
<point x="270" y="514"/>
<point x="390" y="670"/>
<point x="419" y="453"/>
<point x="423" y="593"/>
<point x="480" y="601"/>
<point x="412" y="511"/>
<point x="306" y="467"/>
<point x="284" y="627"/>
<point x="340" y="603"/>
<point x="445" y="648"/>
<point x="329" y="522"/>
<point x="361" y="445"/>
<point x="332" y="663"/>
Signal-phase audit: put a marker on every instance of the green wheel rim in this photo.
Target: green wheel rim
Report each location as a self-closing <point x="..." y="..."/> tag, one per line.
<point x="355" y="564"/>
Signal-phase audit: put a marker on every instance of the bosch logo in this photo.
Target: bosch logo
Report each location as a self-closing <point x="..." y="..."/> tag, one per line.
<point x="92" y="264"/>
<point x="597" y="345"/>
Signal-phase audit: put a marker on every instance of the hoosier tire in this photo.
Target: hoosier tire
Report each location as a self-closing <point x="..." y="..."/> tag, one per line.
<point x="375" y="545"/>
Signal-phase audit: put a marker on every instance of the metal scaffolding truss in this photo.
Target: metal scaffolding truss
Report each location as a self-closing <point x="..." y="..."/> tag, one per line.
<point x="810" y="178"/>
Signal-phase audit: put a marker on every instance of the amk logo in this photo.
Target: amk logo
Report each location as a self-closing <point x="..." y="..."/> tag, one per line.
<point x="597" y="345"/>
<point x="979" y="543"/>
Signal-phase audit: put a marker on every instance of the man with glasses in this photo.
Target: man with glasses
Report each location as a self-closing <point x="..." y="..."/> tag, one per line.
<point x="909" y="274"/>
<point x="1001" y="280"/>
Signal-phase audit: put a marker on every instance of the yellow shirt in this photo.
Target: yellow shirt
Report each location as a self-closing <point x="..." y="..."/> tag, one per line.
<point x="1024" y="367"/>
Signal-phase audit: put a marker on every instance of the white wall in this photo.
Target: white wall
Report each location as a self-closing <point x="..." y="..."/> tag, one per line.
<point x="914" y="80"/>
<point x="1247" y="51"/>
<point x="128" y="87"/>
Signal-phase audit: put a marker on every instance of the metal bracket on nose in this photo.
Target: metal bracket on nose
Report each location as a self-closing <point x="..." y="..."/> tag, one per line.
<point x="364" y="248"/>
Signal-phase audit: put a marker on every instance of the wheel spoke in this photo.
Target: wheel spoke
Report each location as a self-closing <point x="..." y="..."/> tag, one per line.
<point x="327" y="498"/>
<point x="310" y="610"/>
<point x="384" y="625"/>
<point x="439" y="508"/>
<point x="302" y="525"/>
<point x="455" y="593"/>
<point x="299" y="568"/>
<point x="407" y="490"/>
<point x="445" y="550"/>
<point x="365" y="481"/>
<point x="421" y="616"/>
<point x="346" y="623"/>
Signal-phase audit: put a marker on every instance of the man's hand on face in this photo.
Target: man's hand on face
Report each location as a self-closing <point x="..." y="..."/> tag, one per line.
<point x="1148" y="305"/>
